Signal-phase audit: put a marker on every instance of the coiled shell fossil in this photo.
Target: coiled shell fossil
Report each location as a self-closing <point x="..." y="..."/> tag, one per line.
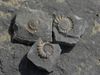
<point x="32" y="26"/>
<point x="44" y="54"/>
<point x="68" y="29"/>
<point x="44" y="49"/>
<point x="64" y="24"/>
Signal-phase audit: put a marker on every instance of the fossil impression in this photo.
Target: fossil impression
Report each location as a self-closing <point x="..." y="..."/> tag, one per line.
<point x="44" y="54"/>
<point x="68" y="29"/>
<point x="44" y="49"/>
<point x="64" y="24"/>
<point x="32" y="26"/>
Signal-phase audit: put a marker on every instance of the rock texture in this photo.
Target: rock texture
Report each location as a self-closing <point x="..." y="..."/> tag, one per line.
<point x="30" y="25"/>
<point x="47" y="63"/>
<point x="71" y="33"/>
<point x="81" y="59"/>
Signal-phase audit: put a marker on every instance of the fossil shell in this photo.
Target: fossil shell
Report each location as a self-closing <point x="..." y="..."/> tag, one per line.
<point x="64" y="24"/>
<point x="32" y="26"/>
<point x="48" y="49"/>
<point x="44" y="49"/>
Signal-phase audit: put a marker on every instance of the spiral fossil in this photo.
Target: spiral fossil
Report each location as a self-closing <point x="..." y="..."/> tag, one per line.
<point x="44" y="49"/>
<point x="32" y="26"/>
<point x="64" y="24"/>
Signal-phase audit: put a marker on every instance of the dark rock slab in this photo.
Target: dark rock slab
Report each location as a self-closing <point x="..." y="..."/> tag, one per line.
<point x="42" y="62"/>
<point x="10" y="57"/>
<point x="69" y="29"/>
<point x="30" y="25"/>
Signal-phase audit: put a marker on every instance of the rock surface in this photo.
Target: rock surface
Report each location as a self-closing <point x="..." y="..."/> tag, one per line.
<point x="45" y="63"/>
<point x="82" y="59"/>
<point x="30" y="25"/>
<point x="73" y="32"/>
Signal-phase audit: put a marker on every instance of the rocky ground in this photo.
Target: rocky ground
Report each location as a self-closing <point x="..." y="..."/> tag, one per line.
<point x="82" y="59"/>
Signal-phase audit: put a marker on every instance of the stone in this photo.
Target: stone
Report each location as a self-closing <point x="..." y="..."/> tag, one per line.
<point x="30" y="25"/>
<point x="69" y="29"/>
<point x="47" y="59"/>
<point x="83" y="59"/>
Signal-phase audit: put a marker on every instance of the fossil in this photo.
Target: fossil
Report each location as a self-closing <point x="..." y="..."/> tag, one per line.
<point x="44" y="49"/>
<point x="44" y="54"/>
<point x="32" y="26"/>
<point x="68" y="29"/>
<point x="64" y="24"/>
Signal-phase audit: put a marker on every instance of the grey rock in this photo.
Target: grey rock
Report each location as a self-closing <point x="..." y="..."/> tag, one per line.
<point x="44" y="63"/>
<point x="74" y="34"/>
<point x="83" y="59"/>
<point x="41" y="26"/>
<point x="10" y="57"/>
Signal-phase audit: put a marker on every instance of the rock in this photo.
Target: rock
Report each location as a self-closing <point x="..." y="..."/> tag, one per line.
<point x="83" y="59"/>
<point x="69" y="29"/>
<point x="30" y="25"/>
<point x="38" y="57"/>
<point x="10" y="57"/>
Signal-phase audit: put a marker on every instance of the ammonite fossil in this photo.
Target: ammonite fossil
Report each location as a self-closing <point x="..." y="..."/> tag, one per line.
<point x="44" y="54"/>
<point x="32" y="26"/>
<point x="64" y="24"/>
<point x="69" y="29"/>
<point x="44" y="49"/>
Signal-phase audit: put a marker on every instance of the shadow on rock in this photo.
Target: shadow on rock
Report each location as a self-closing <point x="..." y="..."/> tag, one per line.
<point x="26" y="67"/>
<point x="66" y="48"/>
<point x="12" y="29"/>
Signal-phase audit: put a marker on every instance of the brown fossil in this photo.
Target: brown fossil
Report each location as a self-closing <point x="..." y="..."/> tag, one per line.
<point x="64" y="24"/>
<point x="44" y="49"/>
<point x="32" y="26"/>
